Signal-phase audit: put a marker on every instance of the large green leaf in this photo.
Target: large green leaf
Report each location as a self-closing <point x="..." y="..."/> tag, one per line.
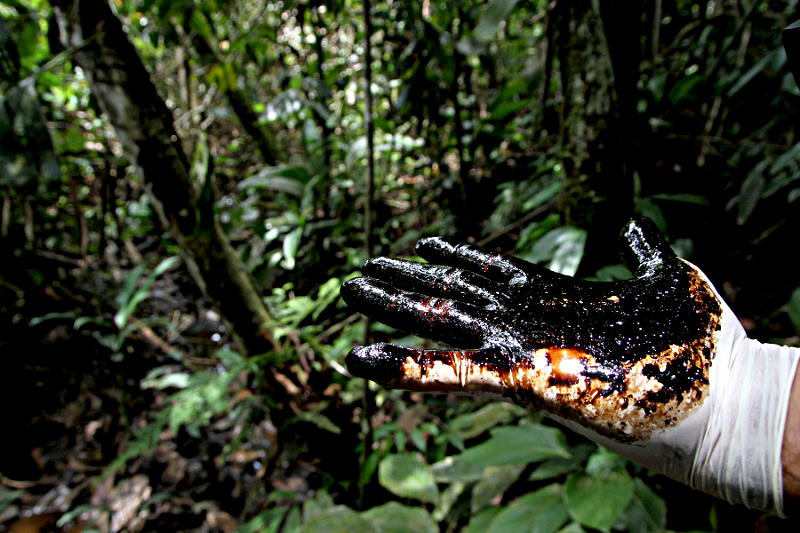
<point x="338" y="519"/>
<point x="562" y="249"/>
<point x="407" y="475"/>
<point x="557" y="466"/>
<point x="542" y="511"/>
<point x="517" y="445"/>
<point x="596" y="501"/>
<point x="395" y="518"/>
<point x="495" y="481"/>
<point x="647" y="512"/>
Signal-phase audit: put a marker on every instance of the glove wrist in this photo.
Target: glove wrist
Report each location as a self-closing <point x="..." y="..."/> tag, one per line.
<point x="738" y="454"/>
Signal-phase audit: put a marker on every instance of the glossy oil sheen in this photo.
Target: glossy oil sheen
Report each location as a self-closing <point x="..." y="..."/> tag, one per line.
<point x="550" y="341"/>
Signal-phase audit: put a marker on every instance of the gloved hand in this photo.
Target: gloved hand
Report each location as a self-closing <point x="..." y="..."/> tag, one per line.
<point x="657" y="367"/>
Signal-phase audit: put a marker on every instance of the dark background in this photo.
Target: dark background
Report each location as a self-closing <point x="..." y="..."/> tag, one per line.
<point x="185" y="185"/>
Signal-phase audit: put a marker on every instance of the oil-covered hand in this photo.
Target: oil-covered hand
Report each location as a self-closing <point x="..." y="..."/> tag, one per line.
<point x="624" y="358"/>
<point x="656" y="367"/>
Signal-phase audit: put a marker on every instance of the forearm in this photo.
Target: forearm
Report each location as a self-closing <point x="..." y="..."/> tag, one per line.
<point x="790" y="453"/>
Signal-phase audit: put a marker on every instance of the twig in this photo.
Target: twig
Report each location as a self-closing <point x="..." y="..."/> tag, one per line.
<point x="338" y="326"/>
<point x="514" y="225"/>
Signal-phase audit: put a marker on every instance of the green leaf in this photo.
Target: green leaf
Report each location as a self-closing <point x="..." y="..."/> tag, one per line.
<point x="407" y="475"/>
<point x="448" y="498"/>
<point x="648" y="208"/>
<point x="8" y="497"/>
<point x="558" y="466"/>
<point x="793" y="309"/>
<point x="291" y="243"/>
<point x="338" y="519"/>
<point x="542" y="511"/>
<point x="751" y="190"/>
<point x="471" y="425"/>
<point x="452" y="469"/>
<point x="164" y="377"/>
<point x="612" y="273"/>
<point x="495" y="481"/>
<point x="573" y="527"/>
<point x="35" y="321"/>
<point x="603" y="462"/>
<point x="479" y="523"/>
<point x="517" y="445"/>
<point x="267" y="522"/>
<point x="751" y="73"/>
<point x="493" y="15"/>
<point x="682" y="197"/>
<point x="562" y="247"/>
<point x="289" y="180"/>
<point x="319" y="420"/>
<point x="395" y="518"/>
<point x="683" y="87"/>
<point x="133" y="293"/>
<point x="647" y="512"/>
<point x="507" y="108"/>
<point x="598" y="501"/>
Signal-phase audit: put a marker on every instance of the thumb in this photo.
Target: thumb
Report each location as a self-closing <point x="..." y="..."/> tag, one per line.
<point x="644" y="247"/>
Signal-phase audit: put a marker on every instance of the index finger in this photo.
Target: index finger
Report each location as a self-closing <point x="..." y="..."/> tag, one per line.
<point x="493" y="266"/>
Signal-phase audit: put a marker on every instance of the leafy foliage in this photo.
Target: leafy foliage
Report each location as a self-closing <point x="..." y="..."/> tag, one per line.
<point x="532" y="128"/>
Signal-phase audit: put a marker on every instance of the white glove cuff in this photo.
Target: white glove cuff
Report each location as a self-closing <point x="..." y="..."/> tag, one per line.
<point x="738" y="455"/>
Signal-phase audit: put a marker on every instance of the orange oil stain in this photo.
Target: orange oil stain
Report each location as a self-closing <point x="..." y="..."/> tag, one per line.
<point x="567" y="365"/>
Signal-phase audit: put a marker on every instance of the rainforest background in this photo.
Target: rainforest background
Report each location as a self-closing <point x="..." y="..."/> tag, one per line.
<point x="185" y="186"/>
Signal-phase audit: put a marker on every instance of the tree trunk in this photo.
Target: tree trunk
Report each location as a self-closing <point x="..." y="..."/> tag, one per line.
<point x="597" y="97"/>
<point x="144" y="125"/>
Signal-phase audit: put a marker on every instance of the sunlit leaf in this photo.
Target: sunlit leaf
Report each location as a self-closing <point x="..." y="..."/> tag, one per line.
<point x="542" y="511"/>
<point x="597" y="501"/>
<point x="517" y="445"/>
<point x="395" y="518"/>
<point x="562" y="249"/>
<point x="291" y="242"/>
<point x="409" y="476"/>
